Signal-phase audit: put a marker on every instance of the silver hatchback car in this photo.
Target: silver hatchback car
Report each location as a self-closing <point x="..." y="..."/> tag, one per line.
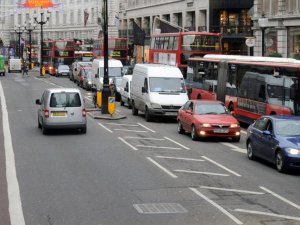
<point x="61" y="108"/>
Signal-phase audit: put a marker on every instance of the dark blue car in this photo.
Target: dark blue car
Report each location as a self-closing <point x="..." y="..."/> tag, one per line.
<point x="275" y="139"/>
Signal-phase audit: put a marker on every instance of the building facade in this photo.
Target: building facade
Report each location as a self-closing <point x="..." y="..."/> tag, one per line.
<point x="66" y="21"/>
<point x="279" y="22"/>
<point x="229" y="17"/>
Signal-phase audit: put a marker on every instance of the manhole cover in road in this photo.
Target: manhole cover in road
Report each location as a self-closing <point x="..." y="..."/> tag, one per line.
<point x="156" y="208"/>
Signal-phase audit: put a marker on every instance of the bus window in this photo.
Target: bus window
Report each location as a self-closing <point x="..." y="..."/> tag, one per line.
<point x="171" y="43"/>
<point x="175" y="46"/>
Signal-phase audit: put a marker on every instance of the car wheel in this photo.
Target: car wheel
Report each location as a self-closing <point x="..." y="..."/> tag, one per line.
<point x="180" y="130"/>
<point x="83" y="130"/>
<point x="236" y="139"/>
<point x="194" y="134"/>
<point x="44" y="129"/>
<point x="121" y="102"/>
<point x="250" y="151"/>
<point x="129" y="104"/>
<point x="280" y="162"/>
<point x="135" y="111"/>
<point x="147" y="115"/>
<point x="39" y="124"/>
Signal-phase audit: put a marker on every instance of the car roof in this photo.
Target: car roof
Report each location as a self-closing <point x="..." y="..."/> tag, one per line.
<point x="207" y="101"/>
<point x="283" y="117"/>
<point x="54" y="90"/>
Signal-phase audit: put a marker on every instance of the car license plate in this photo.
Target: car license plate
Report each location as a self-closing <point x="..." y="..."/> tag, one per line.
<point x="58" y="114"/>
<point x="221" y="131"/>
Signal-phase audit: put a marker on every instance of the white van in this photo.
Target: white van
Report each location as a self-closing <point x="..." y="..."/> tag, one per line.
<point x="115" y="69"/>
<point x="14" y="65"/>
<point x="157" y="90"/>
<point x="125" y="90"/>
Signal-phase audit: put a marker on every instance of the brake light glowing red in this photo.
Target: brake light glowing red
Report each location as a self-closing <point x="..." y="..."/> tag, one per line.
<point x="84" y="112"/>
<point x="46" y="113"/>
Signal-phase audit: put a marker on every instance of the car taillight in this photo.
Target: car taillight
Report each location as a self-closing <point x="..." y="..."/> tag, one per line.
<point x="46" y="113"/>
<point x="83" y="112"/>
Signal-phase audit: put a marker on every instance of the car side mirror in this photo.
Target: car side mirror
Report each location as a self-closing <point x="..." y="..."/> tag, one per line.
<point x="266" y="132"/>
<point x="232" y="113"/>
<point x="126" y="89"/>
<point x="38" y="102"/>
<point x="188" y="111"/>
<point x="75" y="69"/>
<point x="96" y="76"/>
<point x="144" y="90"/>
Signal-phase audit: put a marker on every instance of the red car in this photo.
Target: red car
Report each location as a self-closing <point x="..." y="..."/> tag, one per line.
<point x="204" y="118"/>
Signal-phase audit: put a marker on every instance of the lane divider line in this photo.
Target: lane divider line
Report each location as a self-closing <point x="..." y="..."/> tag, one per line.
<point x="125" y="142"/>
<point x="14" y="197"/>
<point x="236" y="220"/>
<point x="233" y="190"/>
<point x="137" y="131"/>
<point x="122" y="124"/>
<point x="179" y="158"/>
<point x="147" y="128"/>
<point x="161" y="147"/>
<point x="105" y="127"/>
<point x="175" y="142"/>
<point x="234" y="147"/>
<point x="142" y="138"/>
<point x="267" y="214"/>
<point x="161" y="167"/>
<point x="280" y="197"/>
<point x="199" y="172"/>
<point x="221" y="166"/>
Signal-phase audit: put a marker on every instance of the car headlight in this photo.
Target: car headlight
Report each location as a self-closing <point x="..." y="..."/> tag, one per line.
<point x="234" y="125"/>
<point x="293" y="151"/>
<point x="155" y="105"/>
<point x="205" y="125"/>
<point x="89" y="82"/>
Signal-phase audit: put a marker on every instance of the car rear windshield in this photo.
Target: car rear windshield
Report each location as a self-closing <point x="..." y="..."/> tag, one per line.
<point x="65" y="99"/>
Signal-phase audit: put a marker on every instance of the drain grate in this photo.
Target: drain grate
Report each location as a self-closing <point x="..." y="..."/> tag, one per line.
<point x="156" y="208"/>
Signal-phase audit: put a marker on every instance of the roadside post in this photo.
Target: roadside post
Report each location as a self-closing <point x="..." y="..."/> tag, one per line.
<point x="111" y="105"/>
<point x="99" y="98"/>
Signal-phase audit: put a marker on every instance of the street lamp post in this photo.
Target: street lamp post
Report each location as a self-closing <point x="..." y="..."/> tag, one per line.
<point x="29" y="28"/>
<point x="263" y="23"/>
<point x="42" y="22"/>
<point x="19" y="30"/>
<point x="106" y="89"/>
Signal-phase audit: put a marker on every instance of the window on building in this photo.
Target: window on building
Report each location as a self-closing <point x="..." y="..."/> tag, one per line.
<point x="79" y="17"/>
<point x="19" y="19"/>
<point x="72" y="17"/>
<point x="291" y="6"/>
<point x="65" y="19"/>
<point x="57" y="17"/>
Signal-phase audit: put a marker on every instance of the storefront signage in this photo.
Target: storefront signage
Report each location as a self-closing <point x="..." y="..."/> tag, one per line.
<point x="38" y="4"/>
<point x="250" y="41"/>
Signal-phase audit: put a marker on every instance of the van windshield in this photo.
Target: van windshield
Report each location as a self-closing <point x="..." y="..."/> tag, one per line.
<point x="112" y="71"/>
<point x="165" y="84"/>
<point x="65" y="99"/>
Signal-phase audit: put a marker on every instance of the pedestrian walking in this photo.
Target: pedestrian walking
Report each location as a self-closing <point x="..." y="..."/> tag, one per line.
<point x="25" y="69"/>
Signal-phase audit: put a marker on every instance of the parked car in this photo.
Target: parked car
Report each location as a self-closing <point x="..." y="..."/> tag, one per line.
<point x="86" y="82"/>
<point x="63" y="70"/>
<point x="207" y="118"/>
<point x="116" y="81"/>
<point x="76" y="70"/>
<point x="125" y="90"/>
<point x="61" y="108"/>
<point x="275" y="139"/>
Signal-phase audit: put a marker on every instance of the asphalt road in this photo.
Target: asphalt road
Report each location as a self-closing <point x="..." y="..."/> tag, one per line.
<point x="129" y="172"/>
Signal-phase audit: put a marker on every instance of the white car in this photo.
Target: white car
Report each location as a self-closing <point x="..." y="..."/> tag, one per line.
<point x="63" y="70"/>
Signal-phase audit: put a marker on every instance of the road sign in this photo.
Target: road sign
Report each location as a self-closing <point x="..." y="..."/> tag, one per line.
<point x="250" y="41"/>
<point x="111" y="105"/>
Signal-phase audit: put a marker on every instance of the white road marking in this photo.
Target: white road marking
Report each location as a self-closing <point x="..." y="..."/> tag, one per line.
<point x="131" y="146"/>
<point x="178" y="158"/>
<point x="243" y="131"/>
<point x="280" y="197"/>
<point x="147" y="128"/>
<point x="268" y="214"/>
<point x="122" y="124"/>
<point x="152" y="146"/>
<point x="199" y="172"/>
<point x="14" y="198"/>
<point x="105" y="128"/>
<point x="221" y="166"/>
<point x="142" y="138"/>
<point x="162" y="168"/>
<point x="233" y="190"/>
<point x="234" y="147"/>
<point x="137" y="131"/>
<point x="48" y="82"/>
<point x="236" y="220"/>
<point x="177" y="143"/>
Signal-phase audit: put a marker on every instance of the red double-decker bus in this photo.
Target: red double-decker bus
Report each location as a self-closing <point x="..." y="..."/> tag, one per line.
<point x="57" y="52"/>
<point x="117" y="49"/>
<point x="250" y="86"/>
<point x="176" y="48"/>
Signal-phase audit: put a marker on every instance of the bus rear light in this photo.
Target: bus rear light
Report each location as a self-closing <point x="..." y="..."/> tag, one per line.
<point x="46" y="113"/>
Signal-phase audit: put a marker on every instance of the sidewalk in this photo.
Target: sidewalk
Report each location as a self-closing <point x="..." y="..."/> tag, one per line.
<point x="96" y="114"/>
